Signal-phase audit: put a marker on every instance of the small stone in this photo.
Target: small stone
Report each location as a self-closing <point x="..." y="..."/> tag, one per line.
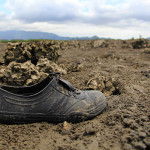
<point x="34" y="77"/>
<point x="142" y="134"/>
<point x="93" y="84"/>
<point x="139" y="145"/>
<point x="109" y="85"/>
<point x="77" y="67"/>
<point x="127" y="146"/>
<point x="128" y="138"/>
<point x="89" y="132"/>
<point x="29" y="82"/>
<point x="128" y="122"/>
<point x="66" y="128"/>
<point x="147" y="141"/>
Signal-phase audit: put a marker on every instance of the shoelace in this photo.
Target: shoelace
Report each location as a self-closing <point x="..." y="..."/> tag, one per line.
<point x="65" y="83"/>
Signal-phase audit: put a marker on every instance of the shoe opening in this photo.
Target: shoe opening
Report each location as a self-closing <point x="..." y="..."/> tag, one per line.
<point x="27" y="90"/>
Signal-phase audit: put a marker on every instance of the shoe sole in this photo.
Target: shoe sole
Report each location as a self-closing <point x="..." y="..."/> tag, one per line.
<point x="16" y="118"/>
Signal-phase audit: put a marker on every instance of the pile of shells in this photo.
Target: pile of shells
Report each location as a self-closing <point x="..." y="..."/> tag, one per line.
<point x="107" y="85"/>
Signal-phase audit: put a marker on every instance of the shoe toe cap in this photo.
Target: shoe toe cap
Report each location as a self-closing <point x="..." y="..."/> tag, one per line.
<point x="96" y="97"/>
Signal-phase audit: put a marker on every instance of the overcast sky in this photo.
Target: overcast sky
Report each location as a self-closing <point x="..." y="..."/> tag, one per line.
<point x="104" y="18"/>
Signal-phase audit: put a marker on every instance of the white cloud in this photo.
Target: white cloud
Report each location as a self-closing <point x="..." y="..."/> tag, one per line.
<point x="89" y="11"/>
<point x="110" y="18"/>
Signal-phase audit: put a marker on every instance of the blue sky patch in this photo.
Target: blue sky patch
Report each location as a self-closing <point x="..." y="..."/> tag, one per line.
<point x="3" y="8"/>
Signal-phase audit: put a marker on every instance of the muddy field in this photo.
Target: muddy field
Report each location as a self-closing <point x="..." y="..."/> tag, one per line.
<point x="120" y="69"/>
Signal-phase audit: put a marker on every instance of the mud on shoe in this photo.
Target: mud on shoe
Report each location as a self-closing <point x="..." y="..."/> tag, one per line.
<point x="51" y="100"/>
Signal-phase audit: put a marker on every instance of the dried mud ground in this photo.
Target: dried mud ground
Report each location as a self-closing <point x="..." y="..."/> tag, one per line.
<point x="125" y="124"/>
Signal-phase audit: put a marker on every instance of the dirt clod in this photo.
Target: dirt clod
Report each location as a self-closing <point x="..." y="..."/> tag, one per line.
<point x="104" y="84"/>
<point x="139" y="146"/>
<point x="140" y="43"/>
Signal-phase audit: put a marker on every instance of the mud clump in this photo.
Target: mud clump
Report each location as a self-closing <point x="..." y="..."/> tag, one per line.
<point x="99" y="43"/>
<point x="136" y="139"/>
<point x="21" y="74"/>
<point x="29" y="63"/>
<point x="22" y="52"/>
<point x="106" y="85"/>
<point x="63" y="45"/>
<point x="47" y="66"/>
<point x="140" y="43"/>
<point x="126" y="44"/>
<point x="146" y="73"/>
<point x="146" y="51"/>
<point x="76" y="67"/>
<point x="27" y="73"/>
<point x="66" y="128"/>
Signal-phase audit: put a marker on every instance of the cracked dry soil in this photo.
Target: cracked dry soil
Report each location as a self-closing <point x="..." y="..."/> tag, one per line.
<point x="124" y="125"/>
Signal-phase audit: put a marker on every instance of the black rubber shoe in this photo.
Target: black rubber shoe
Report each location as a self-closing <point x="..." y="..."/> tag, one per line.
<point x="51" y="100"/>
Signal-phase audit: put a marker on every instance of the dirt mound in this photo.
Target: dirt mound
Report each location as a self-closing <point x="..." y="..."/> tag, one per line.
<point x="99" y="43"/>
<point x="20" y="74"/>
<point x="74" y="67"/>
<point x="22" y="52"/>
<point x="29" y="63"/>
<point x="106" y="85"/>
<point x="140" y="43"/>
<point x="47" y="66"/>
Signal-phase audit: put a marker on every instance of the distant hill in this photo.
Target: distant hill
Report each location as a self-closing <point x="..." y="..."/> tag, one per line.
<point x="26" y="35"/>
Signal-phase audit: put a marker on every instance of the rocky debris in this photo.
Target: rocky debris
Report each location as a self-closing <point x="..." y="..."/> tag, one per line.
<point x="28" y="63"/>
<point x="130" y="123"/>
<point x="146" y="73"/>
<point x="146" y="51"/>
<point x="22" y="52"/>
<point x="2" y="69"/>
<point x="73" y="44"/>
<point x="89" y="130"/>
<point x="112" y="45"/>
<point x="127" y="146"/>
<point x="137" y="135"/>
<point x="104" y="84"/>
<point x="125" y="44"/>
<point x="139" y="145"/>
<point x="18" y="74"/>
<point x="2" y="60"/>
<point x="85" y="45"/>
<point x="99" y="43"/>
<point x="147" y="142"/>
<point x="134" y="140"/>
<point x="140" y="43"/>
<point x="76" y="67"/>
<point x="66" y="128"/>
<point x="111" y="56"/>
<point x="47" y="66"/>
<point x="27" y="73"/>
<point x="21" y="74"/>
<point x="63" y="45"/>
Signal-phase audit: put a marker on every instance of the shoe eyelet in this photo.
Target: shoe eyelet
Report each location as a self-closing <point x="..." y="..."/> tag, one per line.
<point x="77" y="92"/>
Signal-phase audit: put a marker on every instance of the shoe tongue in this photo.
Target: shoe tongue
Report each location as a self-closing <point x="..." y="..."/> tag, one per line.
<point x="67" y="84"/>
